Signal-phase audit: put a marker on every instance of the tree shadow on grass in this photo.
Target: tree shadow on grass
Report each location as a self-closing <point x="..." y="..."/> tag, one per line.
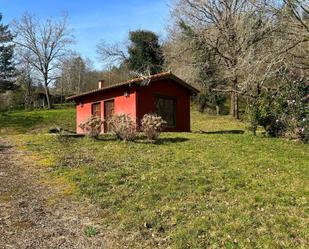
<point x="159" y="141"/>
<point x="141" y="139"/>
<point x="169" y="140"/>
<point x="106" y="138"/>
<point x="222" y="132"/>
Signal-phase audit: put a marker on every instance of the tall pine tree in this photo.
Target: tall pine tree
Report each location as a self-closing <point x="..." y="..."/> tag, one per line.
<point x="145" y="52"/>
<point x="7" y="68"/>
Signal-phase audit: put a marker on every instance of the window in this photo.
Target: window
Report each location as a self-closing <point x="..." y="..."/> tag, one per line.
<point x="166" y="108"/>
<point x="96" y="109"/>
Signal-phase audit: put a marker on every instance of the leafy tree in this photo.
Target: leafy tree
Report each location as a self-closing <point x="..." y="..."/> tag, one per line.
<point x="7" y="67"/>
<point x="145" y="53"/>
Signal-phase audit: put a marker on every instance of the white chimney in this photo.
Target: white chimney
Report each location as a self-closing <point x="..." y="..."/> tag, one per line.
<point x="101" y="84"/>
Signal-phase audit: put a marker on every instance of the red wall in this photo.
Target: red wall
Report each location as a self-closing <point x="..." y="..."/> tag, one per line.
<point x="140" y="101"/>
<point x="123" y="104"/>
<point x="146" y="101"/>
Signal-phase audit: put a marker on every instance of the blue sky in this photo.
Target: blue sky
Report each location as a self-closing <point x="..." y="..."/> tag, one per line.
<point x="93" y="20"/>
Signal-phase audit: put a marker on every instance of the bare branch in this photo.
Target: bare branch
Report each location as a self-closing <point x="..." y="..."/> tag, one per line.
<point x="42" y="44"/>
<point x="114" y="54"/>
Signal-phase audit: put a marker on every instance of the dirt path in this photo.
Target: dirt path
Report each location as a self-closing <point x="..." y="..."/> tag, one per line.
<point x="26" y="221"/>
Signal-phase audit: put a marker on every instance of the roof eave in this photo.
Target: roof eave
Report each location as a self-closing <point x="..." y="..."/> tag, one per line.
<point x="137" y="81"/>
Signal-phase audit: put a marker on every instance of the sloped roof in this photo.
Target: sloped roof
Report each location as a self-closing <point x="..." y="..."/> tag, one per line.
<point x="155" y="77"/>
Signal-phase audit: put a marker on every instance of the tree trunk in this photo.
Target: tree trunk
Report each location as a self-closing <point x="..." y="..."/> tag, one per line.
<point x="254" y="130"/>
<point x="232" y="105"/>
<point x="234" y="108"/>
<point x="49" y="106"/>
<point x="218" y="110"/>
<point x="62" y="97"/>
<point x="27" y="101"/>
<point x="62" y="92"/>
<point x="28" y="96"/>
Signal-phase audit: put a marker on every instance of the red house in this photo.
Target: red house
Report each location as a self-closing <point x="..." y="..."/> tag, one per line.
<point x="163" y="94"/>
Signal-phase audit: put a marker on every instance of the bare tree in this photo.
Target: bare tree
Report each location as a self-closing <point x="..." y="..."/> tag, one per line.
<point x="234" y="30"/>
<point x="112" y="54"/>
<point x="299" y="10"/>
<point x="42" y="44"/>
<point x="179" y="56"/>
<point x="294" y="17"/>
<point x="73" y="71"/>
<point x="26" y="81"/>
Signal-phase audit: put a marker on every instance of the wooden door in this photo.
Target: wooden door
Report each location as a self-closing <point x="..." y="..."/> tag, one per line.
<point x="108" y="113"/>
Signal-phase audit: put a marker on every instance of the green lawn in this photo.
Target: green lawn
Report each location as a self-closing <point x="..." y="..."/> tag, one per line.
<point x="189" y="190"/>
<point x="20" y="122"/>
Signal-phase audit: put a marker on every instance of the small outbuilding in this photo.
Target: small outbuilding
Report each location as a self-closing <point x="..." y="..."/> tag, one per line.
<point x="164" y="94"/>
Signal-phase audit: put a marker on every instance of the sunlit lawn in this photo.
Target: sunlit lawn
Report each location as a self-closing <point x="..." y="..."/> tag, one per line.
<point x="20" y="122"/>
<point x="189" y="190"/>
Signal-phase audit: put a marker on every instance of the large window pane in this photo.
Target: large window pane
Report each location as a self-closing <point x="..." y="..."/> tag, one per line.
<point x="166" y="108"/>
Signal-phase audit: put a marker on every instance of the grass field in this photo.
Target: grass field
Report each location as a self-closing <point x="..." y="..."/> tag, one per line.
<point x="217" y="189"/>
<point x="21" y="122"/>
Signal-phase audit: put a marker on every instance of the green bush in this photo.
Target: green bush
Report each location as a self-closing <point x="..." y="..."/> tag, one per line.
<point x="283" y="113"/>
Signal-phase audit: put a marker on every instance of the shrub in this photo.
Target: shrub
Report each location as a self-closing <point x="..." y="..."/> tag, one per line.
<point x="283" y="113"/>
<point x="92" y="126"/>
<point x="123" y="127"/>
<point x="152" y="125"/>
<point x="304" y="130"/>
